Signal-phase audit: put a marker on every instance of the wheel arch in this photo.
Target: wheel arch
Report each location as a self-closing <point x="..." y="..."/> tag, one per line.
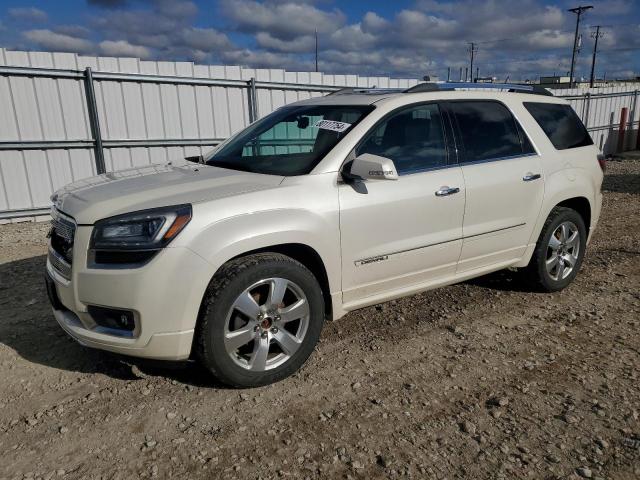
<point x="308" y="257"/>
<point x="580" y="205"/>
<point x="574" y="200"/>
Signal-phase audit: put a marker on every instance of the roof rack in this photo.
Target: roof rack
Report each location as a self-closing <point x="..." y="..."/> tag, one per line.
<point x="448" y="86"/>
<point x="366" y="91"/>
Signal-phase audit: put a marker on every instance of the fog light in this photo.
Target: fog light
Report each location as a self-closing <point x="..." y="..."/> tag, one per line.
<point x="113" y="318"/>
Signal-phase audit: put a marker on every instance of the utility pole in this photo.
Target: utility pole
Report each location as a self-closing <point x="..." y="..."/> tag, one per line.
<point x="472" y="50"/>
<point x="578" y="11"/>
<point x="316" y="49"/>
<point x="596" y="35"/>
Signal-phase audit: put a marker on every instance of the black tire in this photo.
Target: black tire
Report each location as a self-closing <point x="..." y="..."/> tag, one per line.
<point x="226" y="286"/>
<point x="536" y="271"/>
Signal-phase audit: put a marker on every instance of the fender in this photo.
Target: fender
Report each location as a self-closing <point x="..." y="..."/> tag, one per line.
<point x="560" y="186"/>
<point x="233" y="236"/>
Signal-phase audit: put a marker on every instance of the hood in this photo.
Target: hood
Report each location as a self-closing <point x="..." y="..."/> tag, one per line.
<point x="109" y="194"/>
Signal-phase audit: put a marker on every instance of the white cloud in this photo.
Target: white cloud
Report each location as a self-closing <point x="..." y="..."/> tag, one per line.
<point x="122" y="48"/>
<point x="302" y="44"/>
<point x="28" y="14"/>
<point x="50" y="40"/>
<point x="205" y="39"/>
<point x="262" y="59"/>
<point x="524" y="38"/>
<point x="282" y="20"/>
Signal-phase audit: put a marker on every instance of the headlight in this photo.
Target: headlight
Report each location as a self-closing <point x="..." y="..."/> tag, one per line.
<point x="144" y="230"/>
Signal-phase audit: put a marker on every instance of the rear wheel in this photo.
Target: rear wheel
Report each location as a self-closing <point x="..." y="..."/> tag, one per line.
<point x="559" y="250"/>
<point x="260" y="320"/>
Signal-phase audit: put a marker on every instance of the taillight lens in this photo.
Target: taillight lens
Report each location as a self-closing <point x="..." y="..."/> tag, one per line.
<point x="602" y="161"/>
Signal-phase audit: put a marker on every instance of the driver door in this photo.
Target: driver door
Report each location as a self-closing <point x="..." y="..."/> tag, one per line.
<point x="400" y="236"/>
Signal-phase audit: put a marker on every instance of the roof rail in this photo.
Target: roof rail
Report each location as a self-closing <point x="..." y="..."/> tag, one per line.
<point x="365" y="90"/>
<point x="448" y="86"/>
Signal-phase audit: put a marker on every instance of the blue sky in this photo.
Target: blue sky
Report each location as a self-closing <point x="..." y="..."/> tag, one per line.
<point x="520" y="39"/>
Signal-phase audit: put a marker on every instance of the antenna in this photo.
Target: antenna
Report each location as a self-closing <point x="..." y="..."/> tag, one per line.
<point x="316" y="49"/>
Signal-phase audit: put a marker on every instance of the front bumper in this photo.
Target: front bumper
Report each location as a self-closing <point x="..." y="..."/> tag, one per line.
<point x="164" y="296"/>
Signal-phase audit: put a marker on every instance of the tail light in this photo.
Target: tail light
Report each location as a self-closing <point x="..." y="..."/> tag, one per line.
<point x="602" y="161"/>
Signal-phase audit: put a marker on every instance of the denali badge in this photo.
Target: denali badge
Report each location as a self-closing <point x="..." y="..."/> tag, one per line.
<point x="366" y="261"/>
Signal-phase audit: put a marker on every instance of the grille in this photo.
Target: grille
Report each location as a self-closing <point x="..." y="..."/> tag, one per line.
<point x="63" y="228"/>
<point x="61" y="234"/>
<point x="62" y="267"/>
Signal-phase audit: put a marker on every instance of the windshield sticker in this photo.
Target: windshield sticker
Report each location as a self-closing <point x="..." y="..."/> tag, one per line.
<point x="332" y="125"/>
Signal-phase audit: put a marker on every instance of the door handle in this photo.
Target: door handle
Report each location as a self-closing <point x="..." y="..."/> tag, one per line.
<point x="530" y="177"/>
<point x="444" y="191"/>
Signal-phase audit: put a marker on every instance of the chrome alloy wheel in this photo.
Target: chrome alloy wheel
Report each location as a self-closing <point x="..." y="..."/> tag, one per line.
<point x="266" y="324"/>
<point x="563" y="250"/>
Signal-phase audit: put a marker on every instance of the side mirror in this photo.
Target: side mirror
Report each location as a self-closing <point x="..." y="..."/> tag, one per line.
<point x="370" y="167"/>
<point x="195" y="159"/>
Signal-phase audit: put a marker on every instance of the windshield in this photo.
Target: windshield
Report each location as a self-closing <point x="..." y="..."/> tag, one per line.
<point x="290" y="141"/>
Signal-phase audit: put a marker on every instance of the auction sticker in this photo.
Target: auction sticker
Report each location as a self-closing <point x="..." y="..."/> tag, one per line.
<point x="332" y="125"/>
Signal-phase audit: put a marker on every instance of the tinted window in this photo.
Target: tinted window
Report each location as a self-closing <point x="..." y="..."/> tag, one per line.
<point x="413" y="138"/>
<point x="488" y="130"/>
<point x="561" y="124"/>
<point x="289" y="141"/>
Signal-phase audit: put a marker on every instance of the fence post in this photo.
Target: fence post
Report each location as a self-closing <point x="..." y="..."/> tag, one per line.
<point x="585" y="110"/>
<point x="634" y="115"/>
<point x="621" y="130"/>
<point x="252" y="101"/>
<point x="94" y="121"/>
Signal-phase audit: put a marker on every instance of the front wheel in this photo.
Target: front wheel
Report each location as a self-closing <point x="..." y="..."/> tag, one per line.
<point x="560" y="249"/>
<point x="260" y="320"/>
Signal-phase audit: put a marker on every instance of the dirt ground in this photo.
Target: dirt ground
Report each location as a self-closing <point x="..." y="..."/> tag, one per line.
<point x="479" y="380"/>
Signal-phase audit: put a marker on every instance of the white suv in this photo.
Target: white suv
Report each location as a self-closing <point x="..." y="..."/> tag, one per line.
<point x="322" y="207"/>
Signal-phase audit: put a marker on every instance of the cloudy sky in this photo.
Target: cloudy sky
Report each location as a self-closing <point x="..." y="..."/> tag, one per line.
<point x="408" y="38"/>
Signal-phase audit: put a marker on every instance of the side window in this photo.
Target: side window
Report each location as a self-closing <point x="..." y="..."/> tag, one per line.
<point x="413" y="138"/>
<point x="561" y="124"/>
<point x="488" y="130"/>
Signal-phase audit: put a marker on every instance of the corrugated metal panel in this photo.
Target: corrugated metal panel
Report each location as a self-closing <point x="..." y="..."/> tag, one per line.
<point x="601" y="112"/>
<point x="45" y="109"/>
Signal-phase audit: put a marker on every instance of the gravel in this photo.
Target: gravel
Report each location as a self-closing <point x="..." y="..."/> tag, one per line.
<point x="484" y="379"/>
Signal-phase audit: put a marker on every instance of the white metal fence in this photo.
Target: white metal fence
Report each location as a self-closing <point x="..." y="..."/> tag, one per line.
<point x="600" y="109"/>
<point x="64" y="117"/>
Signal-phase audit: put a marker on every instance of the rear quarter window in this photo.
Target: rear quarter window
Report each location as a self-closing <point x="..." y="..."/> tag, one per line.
<point x="561" y="124"/>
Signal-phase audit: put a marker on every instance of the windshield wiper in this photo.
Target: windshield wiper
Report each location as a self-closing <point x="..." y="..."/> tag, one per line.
<point x="195" y="159"/>
<point x="230" y="166"/>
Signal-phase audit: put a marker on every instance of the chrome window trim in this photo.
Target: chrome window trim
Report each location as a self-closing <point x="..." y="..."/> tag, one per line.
<point x="425" y="170"/>
<point x="499" y="159"/>
<point x="477" y="162"/>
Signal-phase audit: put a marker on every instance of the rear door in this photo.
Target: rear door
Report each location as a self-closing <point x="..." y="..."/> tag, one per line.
<point x="503" y="180"/>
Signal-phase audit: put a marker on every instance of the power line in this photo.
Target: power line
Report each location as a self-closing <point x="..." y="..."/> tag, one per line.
<point x="578" y="11"/>
<point x="595" y="35"/>
<point x="621" y="49"/>
<point x="472" y="50"/>
<point x="483" y="42"/>
<point x="316" y="49"/>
